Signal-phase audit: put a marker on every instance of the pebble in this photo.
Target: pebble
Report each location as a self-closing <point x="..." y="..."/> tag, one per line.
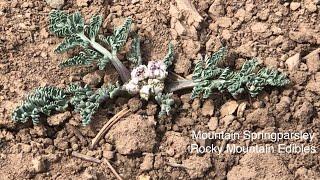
<point x="224" y="22"/>
<point x="293" y="62"/>
<point x="228" y="108"/>
<point x="56" y="4"/>
<point x="259" y="27"/>
<point x="108" y="154"/>
<point x="147" y="163"/>
<point x="294" y="6"/>
<point x="227" y="120"/>
<point x="311" y="5"/>
<point x="241" y="108"/>
<point x="181" y="30"/>
<point x="213" y="123"/>
<point x="208" y="108"/>
<point x="38" y="165"/>
<point x="313" y="60"/>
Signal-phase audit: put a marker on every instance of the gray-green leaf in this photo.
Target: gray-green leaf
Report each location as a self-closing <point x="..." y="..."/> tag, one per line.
<point x="94" y="26"/>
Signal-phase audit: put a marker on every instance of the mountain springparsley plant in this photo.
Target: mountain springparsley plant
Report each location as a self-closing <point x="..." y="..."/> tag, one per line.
<point x="151" y="80"/>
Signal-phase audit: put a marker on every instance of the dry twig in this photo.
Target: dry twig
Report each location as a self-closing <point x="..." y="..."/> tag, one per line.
<point x="114" y="171"/>
<point x="108" y="125"/>
<point x="95" y="160"/>
<point x="85" y="157"/>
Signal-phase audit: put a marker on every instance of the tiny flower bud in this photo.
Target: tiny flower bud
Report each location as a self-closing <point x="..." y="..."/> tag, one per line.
<point x="139" y="73"/>
<point x="157" y="69"/>
<point x="132" y="87"/>
<point x="145" y="92"/>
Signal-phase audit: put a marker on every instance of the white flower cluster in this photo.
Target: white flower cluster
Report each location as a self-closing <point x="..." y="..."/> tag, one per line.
<point x="147" y="80"/>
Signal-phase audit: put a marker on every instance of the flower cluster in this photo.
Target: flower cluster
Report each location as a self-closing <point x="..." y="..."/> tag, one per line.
<point x="147" y="80"/>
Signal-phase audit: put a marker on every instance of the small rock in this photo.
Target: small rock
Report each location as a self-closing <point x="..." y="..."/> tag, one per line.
<point x="135" y="104"/>
<point x="227" y="120"/>
<point x="241" y="109"/>
<point x="197" y="166"/>
<point x="263" y="15"/>
<point x="311" y="5"/>
<point x="228" y="108"/>
<point x="26" y="148"/>
<point x="181" y="30"/>
<point x="293" y="62"/>
<point x="313" y="60"/>
<point x="144" y="177"/>
<point x="216" y="9"/>
<point x="304" y="113"/>
<point x="57" y="4"/>
<point x="259" y="27"/>
<point x="196" y="104"/>
<point x="108" y="154"/>
<point x="58" y="119"/>
<point x="83" y="3"/>
<point x="303" y="36"/>
<point x="208" y="108"/>
<point x="271" y="62"/>
<point x="246" y="49"/>
<point x="93" y="79"/>
<point x="294" y="5"/>
<point x="213" y="123"/>
<point x="224" y="22"/>
<point x="252" y="165"/>
<point x="241" y="14"/>
<point x="39" y="165"/>
<point x="226" y="34"/>
<point x="313" y="86"/>
<point x="277" y="41"/>
<point x="147" y="163"/>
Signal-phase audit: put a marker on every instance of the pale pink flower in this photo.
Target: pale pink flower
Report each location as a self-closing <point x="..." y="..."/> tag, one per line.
<point x="139" y="73"/>
<point x="157" y="69"/>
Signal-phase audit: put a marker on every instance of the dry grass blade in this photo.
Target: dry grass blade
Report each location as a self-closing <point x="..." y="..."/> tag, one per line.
<point x="108" y="125"/>
<point x="85" y="157"/>
<point x="95" y="160"/>
<point x="113" y="170"/>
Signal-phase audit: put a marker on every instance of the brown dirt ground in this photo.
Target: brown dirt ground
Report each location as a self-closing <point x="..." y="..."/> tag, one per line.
<point x="272" y="31"/>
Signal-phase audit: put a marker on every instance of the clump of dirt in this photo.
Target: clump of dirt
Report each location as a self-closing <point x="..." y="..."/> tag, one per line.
<point x="133" y="135"/>
<point x="257" y="166"/>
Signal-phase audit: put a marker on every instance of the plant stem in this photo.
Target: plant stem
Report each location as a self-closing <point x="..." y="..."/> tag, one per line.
<point x="121" y="69"/>
<point x="179" y="85"/>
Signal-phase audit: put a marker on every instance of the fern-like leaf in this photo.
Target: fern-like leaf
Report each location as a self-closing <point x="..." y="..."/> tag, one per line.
<point x="86" y="101"/>
<point x="65" y="25"/>
<point x="166" y="103"/>
<point x="43" y="100"/>
<point x="119" y="36"/>
<point x="71" y="42"/>
<point x="135" y="54"/>
<point x="94" y="26"/>
<point x="83" y="58"/>
<point x="168" y="59"/>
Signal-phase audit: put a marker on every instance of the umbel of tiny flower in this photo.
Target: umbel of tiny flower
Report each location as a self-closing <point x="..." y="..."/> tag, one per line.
<point x="147" y="80"/>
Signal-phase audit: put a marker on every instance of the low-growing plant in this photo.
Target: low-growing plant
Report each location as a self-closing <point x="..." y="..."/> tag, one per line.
<point x="76" y="33"/>
<point x="208" y="76"/>
<point x="147" y="81"/>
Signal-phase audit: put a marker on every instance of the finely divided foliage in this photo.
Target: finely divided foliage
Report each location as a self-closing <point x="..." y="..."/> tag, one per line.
<point x="76" y="33"/>
<point x="43" y="100"/>
<point x="209" y="77"/>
